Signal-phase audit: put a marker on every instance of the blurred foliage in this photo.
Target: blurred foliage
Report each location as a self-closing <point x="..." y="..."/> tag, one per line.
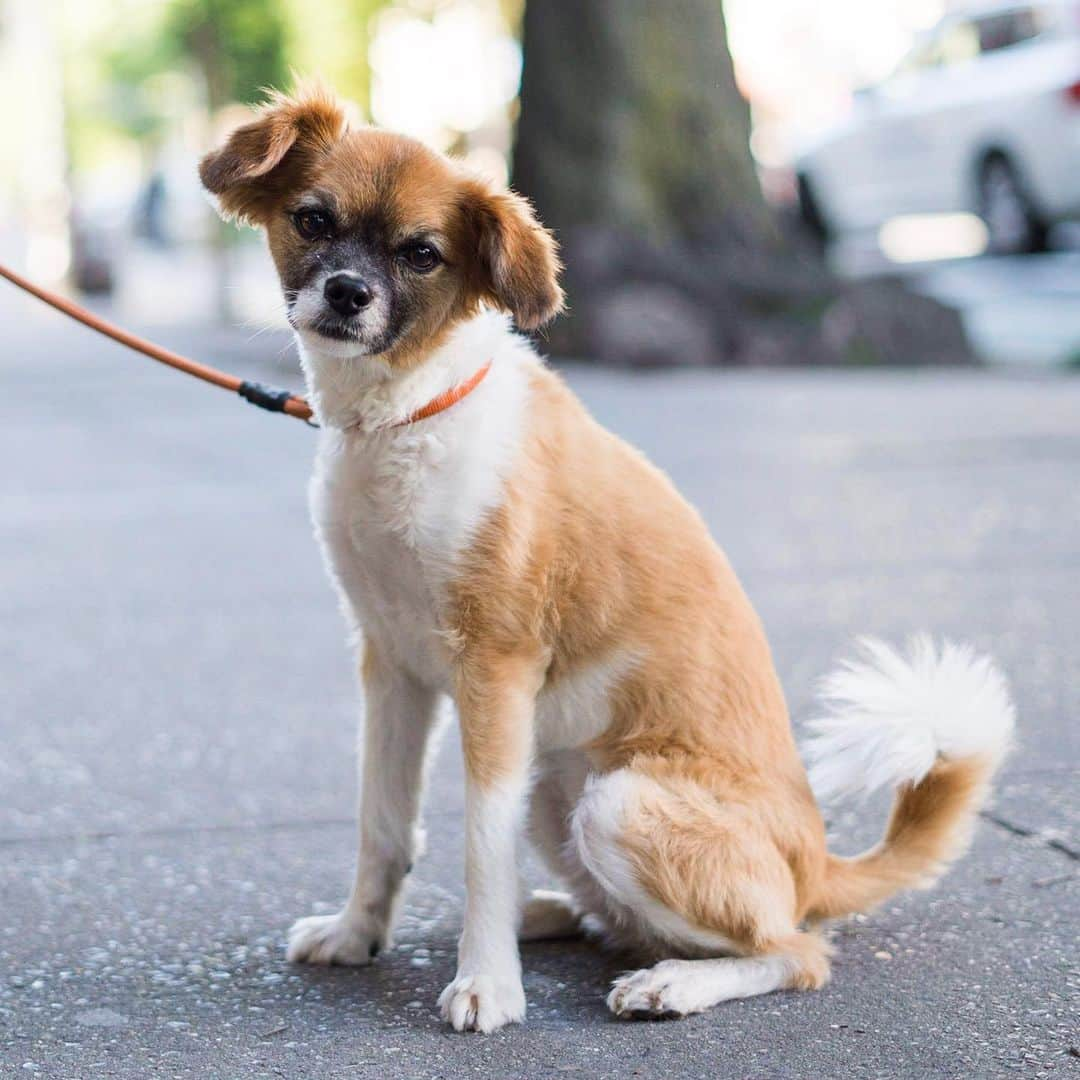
<point x="238" y="46"/>
<point x="114" y="56"/>
<point x="331" y="38"/>
<point x="135" y="68"/>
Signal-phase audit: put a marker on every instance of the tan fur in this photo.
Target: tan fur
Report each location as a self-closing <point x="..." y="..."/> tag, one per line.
<point x="250" y="173"/>
<point x="518" y="260"/>
<point x="594" y="550"/>
<point x="496" y="252"/>
<point x="591" y="554"/>
<point x="494" y="694"/>
<point x="369" y="661"/>
<point x="929" y="827"/>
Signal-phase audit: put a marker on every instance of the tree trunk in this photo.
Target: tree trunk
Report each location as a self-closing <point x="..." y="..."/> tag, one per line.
<point x="631" y="118"/>
<point x="633" y="143"/>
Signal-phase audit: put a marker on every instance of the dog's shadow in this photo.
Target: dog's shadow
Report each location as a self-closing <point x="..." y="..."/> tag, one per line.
<point x="566" y="982"/>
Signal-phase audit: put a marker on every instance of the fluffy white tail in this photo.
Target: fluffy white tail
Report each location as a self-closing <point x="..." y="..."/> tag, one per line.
<point x="933" y="724"/>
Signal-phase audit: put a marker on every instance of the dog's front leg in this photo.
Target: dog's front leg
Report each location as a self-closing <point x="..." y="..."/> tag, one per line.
<point x="398" y="721"/>
<point x="495" y="699"/>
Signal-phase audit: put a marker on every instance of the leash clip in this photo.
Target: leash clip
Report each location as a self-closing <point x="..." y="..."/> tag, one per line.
<point x="266" y="397"/>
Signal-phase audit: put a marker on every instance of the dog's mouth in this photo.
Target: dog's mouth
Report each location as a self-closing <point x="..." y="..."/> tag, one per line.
<point x="368" y="335"/>
<point x="362" y="340"/>
<point x="329" y="327"/>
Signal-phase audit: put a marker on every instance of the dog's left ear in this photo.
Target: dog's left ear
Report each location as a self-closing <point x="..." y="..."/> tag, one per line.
<point x="261" y="160"/>
<point x="517" y="259"/>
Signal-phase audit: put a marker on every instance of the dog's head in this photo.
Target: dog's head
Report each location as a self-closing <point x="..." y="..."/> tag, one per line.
<point x="381" y="244"/>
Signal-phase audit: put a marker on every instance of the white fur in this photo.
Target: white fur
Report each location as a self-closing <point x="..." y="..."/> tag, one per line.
<point x="672" y="987"/>
<point x="353" y="391"/>
<point x="486" y="992"/>
<point x="577" y="708"/>
<point x="548" y="915"/>
<point x="596" y="827"/>
<point x="559" y="780"/>
<point x="892" y="715"/>
<point x="681" y="987"/>
<point x="400" y="718"/>
<point x="310" y="305"/>
<point x="395" y="507"/>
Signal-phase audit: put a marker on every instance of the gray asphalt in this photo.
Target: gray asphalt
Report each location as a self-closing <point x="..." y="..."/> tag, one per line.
<point x="178" y="707"/>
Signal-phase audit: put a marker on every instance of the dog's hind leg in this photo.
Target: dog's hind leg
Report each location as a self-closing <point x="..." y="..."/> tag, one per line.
<point x="687" y="875"/>
<point x="549" y="914"/>
<point x="681" y="987"/>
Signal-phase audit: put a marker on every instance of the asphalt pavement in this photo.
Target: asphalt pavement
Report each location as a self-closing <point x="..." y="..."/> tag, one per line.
<point x="178" y="706"/>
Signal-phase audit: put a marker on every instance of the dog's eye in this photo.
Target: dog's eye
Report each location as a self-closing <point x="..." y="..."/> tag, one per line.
<point x="312" y="224"/>
<point x="420" y="257"/>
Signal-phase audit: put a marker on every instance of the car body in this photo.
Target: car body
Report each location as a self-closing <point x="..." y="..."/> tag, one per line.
<point x="983" y="115"/>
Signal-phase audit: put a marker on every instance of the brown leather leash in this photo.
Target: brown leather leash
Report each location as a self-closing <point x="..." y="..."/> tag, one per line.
<point x="266" y="397"/>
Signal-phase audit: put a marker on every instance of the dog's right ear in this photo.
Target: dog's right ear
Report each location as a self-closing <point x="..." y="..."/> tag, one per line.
<point x="261" y="161"/>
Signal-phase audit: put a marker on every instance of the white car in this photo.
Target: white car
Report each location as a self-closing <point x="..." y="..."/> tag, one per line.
<point x="983" y="115"/>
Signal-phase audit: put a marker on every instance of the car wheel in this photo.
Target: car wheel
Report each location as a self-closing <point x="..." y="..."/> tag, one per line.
<point x="1012" y="224"/>
<point x="810" y="213"/>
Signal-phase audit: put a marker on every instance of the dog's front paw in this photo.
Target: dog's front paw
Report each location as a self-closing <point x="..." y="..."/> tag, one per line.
<point x="334" y="939"/>
<point x="483" y="1002"/>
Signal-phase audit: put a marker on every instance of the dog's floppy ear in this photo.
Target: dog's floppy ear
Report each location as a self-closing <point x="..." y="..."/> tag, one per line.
<point x="263" y="159"/>
<point x="517" y="260"/>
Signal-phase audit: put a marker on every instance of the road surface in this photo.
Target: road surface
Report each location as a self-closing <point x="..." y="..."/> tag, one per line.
<point x="178" y="709"/>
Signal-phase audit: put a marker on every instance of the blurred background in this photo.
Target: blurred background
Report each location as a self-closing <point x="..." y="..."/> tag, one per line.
<point x="758" y="182"/>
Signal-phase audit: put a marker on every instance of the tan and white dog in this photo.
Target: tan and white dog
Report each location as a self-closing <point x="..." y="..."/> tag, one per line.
<point x="615" y="691"/>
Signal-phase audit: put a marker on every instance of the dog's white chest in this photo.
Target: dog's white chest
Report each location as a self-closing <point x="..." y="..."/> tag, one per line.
<point x="386" y="535"/>
<point x="396" y="514"/>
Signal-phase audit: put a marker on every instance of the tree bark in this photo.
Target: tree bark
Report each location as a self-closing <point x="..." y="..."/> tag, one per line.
<point x="633" y="144"/>
<point x="631" y="117"/>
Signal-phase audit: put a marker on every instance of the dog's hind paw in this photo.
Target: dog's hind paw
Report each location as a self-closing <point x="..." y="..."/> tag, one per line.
<point x="549" y="916"/>
<point x="333" y="939"/>
<point x="655" y="993"/>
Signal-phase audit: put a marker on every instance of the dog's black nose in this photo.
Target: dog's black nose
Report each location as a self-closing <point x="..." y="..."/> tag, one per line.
<point x="347" y="294"/>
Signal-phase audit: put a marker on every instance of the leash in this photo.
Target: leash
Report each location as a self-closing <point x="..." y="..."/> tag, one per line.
<point x="265" y="397"/>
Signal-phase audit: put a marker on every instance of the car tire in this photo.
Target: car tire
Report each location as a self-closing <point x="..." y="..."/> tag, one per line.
<point x="810" y="213"/>
<point x="1013" y="225"/>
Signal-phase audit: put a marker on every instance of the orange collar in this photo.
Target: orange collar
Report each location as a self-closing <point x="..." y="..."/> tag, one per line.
<point x="444" y="401"/>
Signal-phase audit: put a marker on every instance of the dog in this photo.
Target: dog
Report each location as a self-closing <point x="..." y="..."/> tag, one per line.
<point x="615" y="692"/>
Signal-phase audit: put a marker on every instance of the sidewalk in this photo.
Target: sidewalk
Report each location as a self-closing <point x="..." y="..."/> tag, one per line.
<point x="178" y="707"/>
